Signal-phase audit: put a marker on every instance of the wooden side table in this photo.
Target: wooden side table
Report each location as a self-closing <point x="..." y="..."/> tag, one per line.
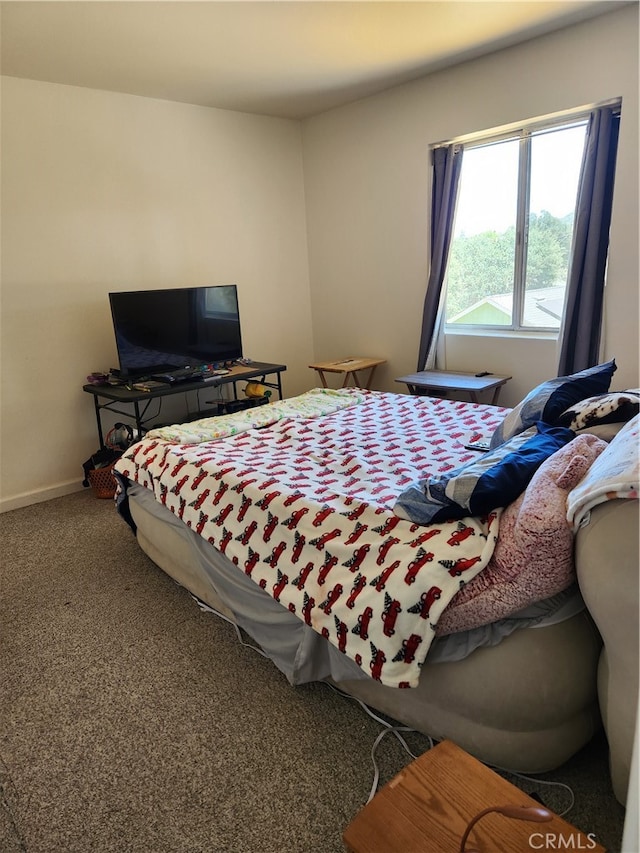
<point x="428" y="805"/>
<point x="350" y="368"/>
<point x="443" y="380"/>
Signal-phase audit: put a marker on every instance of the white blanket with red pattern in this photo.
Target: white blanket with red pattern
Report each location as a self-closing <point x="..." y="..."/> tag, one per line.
<point x="302" y="503"/>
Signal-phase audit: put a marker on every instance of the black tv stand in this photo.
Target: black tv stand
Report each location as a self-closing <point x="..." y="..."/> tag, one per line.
<point x="114" y="397"/>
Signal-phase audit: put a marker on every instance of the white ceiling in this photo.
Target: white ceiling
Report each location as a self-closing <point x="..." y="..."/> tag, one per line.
<point x="289" y="58"/>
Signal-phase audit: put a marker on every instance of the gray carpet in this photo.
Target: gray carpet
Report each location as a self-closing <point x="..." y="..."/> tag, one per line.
<point x="132" y="721"/>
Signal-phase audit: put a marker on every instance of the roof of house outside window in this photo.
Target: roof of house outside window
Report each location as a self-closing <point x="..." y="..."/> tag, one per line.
<point x="542" y="308"/>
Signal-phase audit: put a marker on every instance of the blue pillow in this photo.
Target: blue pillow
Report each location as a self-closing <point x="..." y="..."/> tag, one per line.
<point x="494" y="480"/>
<point x="550" y="399"/>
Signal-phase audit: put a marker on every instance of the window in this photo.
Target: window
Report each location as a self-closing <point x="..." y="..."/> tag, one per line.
<point x="511" y="243"/>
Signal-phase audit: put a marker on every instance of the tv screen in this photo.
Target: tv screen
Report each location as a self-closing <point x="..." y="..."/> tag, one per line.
<point x="162" y="330"/>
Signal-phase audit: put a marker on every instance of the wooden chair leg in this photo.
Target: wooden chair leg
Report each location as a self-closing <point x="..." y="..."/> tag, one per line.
<point x="322" y="378"/>
<point x="370" y="379"/>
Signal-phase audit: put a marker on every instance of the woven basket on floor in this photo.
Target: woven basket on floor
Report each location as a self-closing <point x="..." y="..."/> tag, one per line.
<point x="101" y="479"/>
<point x="103" y="482"/>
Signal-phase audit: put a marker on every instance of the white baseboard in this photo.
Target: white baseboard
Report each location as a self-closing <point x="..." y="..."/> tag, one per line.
<point x="39" y="496"/>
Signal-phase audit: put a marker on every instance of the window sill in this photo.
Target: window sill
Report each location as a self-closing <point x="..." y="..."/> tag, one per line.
<point x="534" y="335"/>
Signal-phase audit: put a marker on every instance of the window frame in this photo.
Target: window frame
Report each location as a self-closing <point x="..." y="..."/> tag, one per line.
<point x="523" y="132"/>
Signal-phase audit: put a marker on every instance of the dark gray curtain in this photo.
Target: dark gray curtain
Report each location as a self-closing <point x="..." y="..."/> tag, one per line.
<point x="582" y="325"/>
<point x="447" y="162"/>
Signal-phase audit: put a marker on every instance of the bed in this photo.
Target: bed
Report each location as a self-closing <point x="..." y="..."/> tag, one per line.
<point x="297" y="522"/>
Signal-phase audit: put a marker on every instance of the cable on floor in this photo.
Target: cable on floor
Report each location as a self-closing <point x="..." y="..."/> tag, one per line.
<point x="534" y="781"/>
<point x="208" y="609"/>
<point x="389" y="728"/>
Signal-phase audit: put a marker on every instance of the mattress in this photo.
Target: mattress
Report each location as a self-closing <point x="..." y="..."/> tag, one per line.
<point x="526" y="704"/>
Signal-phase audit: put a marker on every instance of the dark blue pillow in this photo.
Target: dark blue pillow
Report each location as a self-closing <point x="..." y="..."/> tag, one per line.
<point x="494" y="480"/>
<point x="549" y="400"/>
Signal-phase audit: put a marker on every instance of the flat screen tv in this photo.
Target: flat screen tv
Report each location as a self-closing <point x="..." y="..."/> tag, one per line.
<point x="158" y="331"/>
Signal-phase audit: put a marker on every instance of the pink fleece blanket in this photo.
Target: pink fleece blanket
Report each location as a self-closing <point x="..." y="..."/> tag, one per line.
<point x="533" y="558"/>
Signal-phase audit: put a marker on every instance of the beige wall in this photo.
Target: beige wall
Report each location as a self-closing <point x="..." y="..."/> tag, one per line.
<point x="367" y="184"/>
<point x="104" y="191"/>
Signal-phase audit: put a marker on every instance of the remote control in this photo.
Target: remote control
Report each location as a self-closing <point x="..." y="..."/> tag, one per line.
<point x="482" y="445"/>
